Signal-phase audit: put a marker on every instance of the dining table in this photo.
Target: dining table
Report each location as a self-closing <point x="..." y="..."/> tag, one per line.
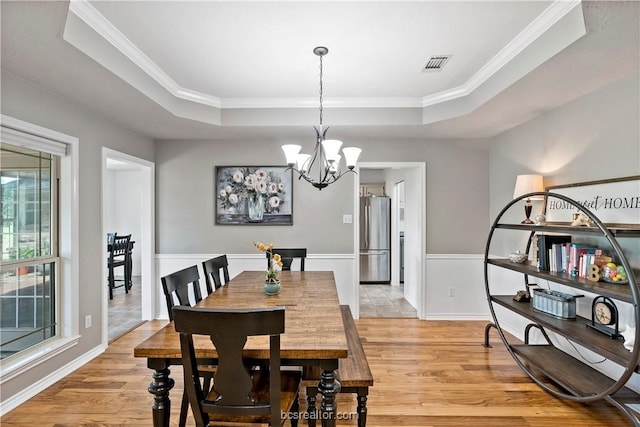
<point x="314" y="335"/>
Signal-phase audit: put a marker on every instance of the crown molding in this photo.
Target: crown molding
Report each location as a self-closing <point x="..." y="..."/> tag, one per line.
<point x="543" y="22"/>
<point x="105" y="29"/>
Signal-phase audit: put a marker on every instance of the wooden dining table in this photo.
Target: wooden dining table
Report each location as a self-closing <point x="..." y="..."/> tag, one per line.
<point x="314" y="335"/>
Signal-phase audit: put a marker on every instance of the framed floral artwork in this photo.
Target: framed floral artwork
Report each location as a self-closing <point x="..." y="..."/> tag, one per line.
<point x="248" y="195"/>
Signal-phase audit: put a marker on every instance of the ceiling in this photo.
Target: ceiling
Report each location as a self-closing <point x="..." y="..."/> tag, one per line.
<point x="240" y="69"/>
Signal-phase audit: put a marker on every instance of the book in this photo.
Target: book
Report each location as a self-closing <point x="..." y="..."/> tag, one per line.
<point x="545" y="242"/>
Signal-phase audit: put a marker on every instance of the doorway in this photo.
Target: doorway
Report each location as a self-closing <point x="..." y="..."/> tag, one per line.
<point x="413" y="178"/>
<point x="128" y="206"/>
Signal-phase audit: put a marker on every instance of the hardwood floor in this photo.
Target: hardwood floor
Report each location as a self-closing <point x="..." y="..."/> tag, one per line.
<point x="427" y="373"/>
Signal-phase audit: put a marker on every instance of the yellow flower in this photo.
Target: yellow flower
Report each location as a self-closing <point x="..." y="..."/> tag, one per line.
<point x="276" y="261"/>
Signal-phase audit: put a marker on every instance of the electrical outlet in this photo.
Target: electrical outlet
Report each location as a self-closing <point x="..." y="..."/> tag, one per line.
<point x="347" y="219"/>
<point x="452" y="292"/>
<point x="87" y="321"/>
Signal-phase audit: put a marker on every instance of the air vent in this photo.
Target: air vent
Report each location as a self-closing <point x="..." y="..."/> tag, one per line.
<point x="436" y="63"/>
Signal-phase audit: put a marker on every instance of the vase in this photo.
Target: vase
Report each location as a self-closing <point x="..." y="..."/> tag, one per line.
<point x="272" y="288"/>
<point x="255" y="207"/>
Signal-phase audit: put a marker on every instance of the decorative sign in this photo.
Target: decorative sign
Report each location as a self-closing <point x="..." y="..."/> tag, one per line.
<point x="254" y="195"/>
<point x="613" y="201"/>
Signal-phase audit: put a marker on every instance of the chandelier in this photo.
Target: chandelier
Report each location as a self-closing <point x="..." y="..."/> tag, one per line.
<point x="322" y="166"/>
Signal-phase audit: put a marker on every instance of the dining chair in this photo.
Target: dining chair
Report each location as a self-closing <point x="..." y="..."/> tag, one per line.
<point x="239" y="394"/>
<point x="211" y="268"/>
<point x="179" y="285"/>
<point x="119" y="256"/>
<point x="288" y="255"/>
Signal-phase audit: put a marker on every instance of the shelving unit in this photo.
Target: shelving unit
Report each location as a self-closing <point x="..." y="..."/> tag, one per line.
<point x="577" y="380"/>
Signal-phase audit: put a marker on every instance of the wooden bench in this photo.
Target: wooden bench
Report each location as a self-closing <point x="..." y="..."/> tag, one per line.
<point x="353" y="373"/>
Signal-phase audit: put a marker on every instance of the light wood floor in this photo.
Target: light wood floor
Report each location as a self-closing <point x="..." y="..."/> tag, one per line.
<point x="427" y="373"/>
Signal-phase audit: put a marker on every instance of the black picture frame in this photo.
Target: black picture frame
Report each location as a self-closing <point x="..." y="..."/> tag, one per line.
<point x="253" y="195"/>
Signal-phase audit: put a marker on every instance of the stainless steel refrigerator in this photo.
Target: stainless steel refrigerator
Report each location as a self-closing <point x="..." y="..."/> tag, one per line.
<point x="375" y="239"/>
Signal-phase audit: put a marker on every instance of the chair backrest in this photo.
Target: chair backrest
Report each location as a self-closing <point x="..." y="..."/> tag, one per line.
<point x="178" y="284"/>
<point x="232" y="383"/>
<point x="211" y="268"/>
<point x="288" y="255"/>
<point x="119" y="246"/>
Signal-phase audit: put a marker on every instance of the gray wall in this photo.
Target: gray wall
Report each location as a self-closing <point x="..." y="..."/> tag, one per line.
<point x="593" y="137"/>
<point x="457" y="197"/>
<point x="32" y="104"/>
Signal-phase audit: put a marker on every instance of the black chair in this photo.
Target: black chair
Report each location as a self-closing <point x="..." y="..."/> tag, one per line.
<point x="239" y="394"/>
<point x="211" y="268"/>
<point x="288" y="255"/>
<point x="119" y="256"/>
<point x="178" y="285"/>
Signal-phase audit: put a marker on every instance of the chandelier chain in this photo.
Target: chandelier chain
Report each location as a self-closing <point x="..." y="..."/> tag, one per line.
<point x="320" y="92"/>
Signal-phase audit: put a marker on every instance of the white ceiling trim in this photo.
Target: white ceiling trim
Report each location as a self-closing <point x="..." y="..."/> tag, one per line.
<point x="98" y="23"/>
<point x="94" y="19"/>
<point x="549" y="17"/>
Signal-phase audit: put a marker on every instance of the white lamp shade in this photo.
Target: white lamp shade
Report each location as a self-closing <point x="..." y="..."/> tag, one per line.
<point x="351" y="156"/>
<point x="331" y="148"/>
<point x="528" y="184"/>
<point x="291" y="153"/>
<point x="302" y="162"/>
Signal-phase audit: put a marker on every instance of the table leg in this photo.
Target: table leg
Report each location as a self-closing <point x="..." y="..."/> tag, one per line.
<point x="159" y="387"/>
<point x="329" y="386"/>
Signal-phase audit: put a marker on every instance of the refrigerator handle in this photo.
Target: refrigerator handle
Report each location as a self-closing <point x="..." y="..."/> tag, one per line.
<point x="367" y="207"/>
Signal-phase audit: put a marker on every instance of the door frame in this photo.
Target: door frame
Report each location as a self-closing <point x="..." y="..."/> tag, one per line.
<point x="421" y="197"/>
<point x="147" y="238"/>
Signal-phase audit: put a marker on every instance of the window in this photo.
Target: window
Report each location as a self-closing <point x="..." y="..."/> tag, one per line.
<point x="28" y="247"/>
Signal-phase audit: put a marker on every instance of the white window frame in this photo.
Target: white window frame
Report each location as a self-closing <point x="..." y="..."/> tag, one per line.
<point x="18" y="132"/>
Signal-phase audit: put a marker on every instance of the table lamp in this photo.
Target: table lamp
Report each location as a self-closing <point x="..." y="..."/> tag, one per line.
<point x="528" y="184"/>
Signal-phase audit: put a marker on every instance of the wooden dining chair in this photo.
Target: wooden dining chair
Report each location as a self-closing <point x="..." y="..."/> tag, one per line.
<point x="212" y="268"/>
<point x="239" y="394"/>
<point x="119" y="256"/>
<point x="288" y="255"/>
<point x="178" y="286"/>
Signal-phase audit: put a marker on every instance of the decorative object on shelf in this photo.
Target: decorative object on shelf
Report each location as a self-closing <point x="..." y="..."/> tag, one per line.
<point x="271" y="282"/>
<point x="518" y="257"/>
<point x="325" y="158"/>
<point x="526" y="184"/>
<point x="604" y="314"/>
<point x="539" y="219"/>
<point x="555" y="303"/>
<point x="254" y="195"/>
<point x="613" y="273"/>
<point x="522" y="296"/>
<point x="581" y="220"/>
<point x="629" y="336"/>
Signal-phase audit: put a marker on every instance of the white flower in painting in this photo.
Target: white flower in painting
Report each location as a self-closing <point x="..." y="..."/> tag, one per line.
<point x="233" y="199"/>
<point x="261" y="187"/>
<point x="238" y="176"/>
<point x="250" y="182"/>
<point x="228" y="189"/>
<point x="223" y="193"/>
<point x="261" y="174"/>
<point x="274" y="201"/>
<point x="280" y="186"/>
<point x="273" y="187"/>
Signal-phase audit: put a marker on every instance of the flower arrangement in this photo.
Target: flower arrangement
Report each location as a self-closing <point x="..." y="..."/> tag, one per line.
<point x="258" y="185"/>
<point x="274" y="265"/>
